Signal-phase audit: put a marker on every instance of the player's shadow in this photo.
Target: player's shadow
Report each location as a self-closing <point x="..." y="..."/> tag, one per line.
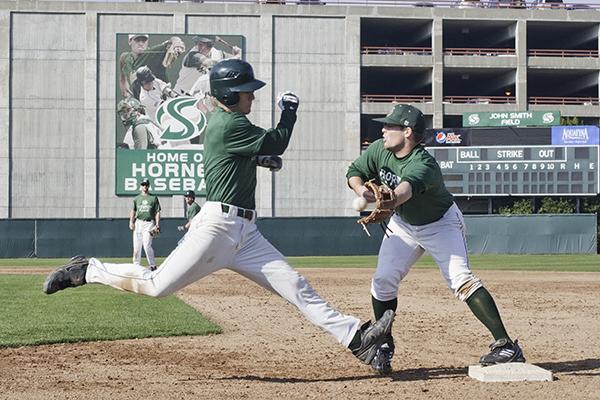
<point x="413" y="374"/>
<point x="590" y="365"/>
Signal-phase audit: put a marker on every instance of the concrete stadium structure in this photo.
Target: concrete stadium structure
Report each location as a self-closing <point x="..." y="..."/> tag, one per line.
<point x="347" y="63"/>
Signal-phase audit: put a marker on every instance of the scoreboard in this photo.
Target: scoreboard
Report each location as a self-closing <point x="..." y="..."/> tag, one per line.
<point x="519" y="170"/>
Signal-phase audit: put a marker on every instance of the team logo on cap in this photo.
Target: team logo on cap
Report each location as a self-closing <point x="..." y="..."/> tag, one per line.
<point x="180" y="119"/>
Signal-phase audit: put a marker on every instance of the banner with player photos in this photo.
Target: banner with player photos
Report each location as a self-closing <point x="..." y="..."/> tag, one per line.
<point x="161" y="84"/>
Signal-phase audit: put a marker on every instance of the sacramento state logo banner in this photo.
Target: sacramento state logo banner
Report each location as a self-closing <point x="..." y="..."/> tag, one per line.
<point x="162" y="107"/>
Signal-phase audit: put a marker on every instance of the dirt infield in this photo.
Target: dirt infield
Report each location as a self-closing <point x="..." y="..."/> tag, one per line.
<point x="268" y="351"/>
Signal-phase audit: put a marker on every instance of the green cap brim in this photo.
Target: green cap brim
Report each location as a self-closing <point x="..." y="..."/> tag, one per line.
<point x="386" y="120"/>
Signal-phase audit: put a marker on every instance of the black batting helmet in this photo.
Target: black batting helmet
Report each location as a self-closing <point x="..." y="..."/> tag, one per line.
<point x="144" y="75"/>
<point x="231" y="76"/>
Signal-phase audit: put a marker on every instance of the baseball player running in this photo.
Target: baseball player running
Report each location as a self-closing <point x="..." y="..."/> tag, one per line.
<point x="144" y="220"/>
<point x="425" y="219"/>
<point x="224" y="233"/>
<point x="192" y="209"/>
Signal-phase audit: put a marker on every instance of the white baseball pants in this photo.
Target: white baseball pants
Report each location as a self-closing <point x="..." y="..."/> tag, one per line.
<point x="142" y="237"/>
<point x="219" y="240"/>
<point x="443" y="239"/>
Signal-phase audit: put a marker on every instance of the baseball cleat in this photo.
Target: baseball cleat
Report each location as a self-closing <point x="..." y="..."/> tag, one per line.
<point x="382" y="362"/>
<point x="503" y="351"/>
<point x="70" y="275"/>
<point x="372" y="336"/>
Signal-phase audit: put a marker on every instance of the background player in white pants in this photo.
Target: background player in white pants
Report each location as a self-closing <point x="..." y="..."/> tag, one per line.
<point x="143" y="218"/>
<point x="425" y="219"/>
<point x="224" y="233"/>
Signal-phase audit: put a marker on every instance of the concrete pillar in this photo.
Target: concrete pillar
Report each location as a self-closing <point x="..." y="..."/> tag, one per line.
<point x="521" y="78"/>
<point x="5" y="152"/>
<point x="90" y="130"/>
<point x="437" y="88"/>
<point x="179" y="23"/>
<point x="353" y="99"/>
<point x="269" y="116"/>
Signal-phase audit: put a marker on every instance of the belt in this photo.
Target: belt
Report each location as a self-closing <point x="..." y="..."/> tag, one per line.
<point x="145" y="220"/>
<point x="241" y="212"/>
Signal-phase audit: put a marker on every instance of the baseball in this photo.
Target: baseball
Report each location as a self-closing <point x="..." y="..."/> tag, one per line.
<point x="359" y="203"/>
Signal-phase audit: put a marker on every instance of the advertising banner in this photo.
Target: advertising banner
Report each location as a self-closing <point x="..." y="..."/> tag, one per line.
<point x="575" y="135"/>
<point x="511" y="118"/>
<point x="447" y="137"/>
<point x="161" y="114"/>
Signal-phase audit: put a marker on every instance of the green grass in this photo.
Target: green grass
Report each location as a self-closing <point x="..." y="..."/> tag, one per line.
<point x="554" y="262"/>
<point x="527" y="262"/>
<point x="88" y="313"/>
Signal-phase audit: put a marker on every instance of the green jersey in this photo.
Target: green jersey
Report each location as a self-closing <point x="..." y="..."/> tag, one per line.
<point x="192" y="210"/>
<point x="146" y="207"/>
<point x="430" y="198"/>
<point x="231" y="144"/>
<point x="152" y="57"/>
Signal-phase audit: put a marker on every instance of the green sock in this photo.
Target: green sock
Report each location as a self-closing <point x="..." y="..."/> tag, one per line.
<point x="380" y="307"/>
<point x="483" y="306"/>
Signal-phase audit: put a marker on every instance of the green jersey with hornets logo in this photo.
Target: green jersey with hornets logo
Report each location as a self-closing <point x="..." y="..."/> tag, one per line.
<point x="430" y="198"/>
<point x="146" y="206"/>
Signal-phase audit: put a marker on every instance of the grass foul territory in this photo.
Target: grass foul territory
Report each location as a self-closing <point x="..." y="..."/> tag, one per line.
<point x="89" y="313"/>
<point x="509" y="262"/>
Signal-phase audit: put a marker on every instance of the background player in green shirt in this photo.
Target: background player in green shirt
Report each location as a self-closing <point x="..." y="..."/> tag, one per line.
<point x="224" y="233"/>
<point x="192" y="209"/>
<point x="425" y="219"/>
<point x="143" y="218"/>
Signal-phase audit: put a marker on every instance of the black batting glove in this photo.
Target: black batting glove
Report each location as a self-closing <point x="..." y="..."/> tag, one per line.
<point x="274" y="163"/>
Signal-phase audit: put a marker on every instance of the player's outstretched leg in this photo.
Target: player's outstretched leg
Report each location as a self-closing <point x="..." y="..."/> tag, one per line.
<point x="503" y="351"/>
<point x="382" y="362"/>
<point x="370" y="337"/>
<point x="70" y="275"/>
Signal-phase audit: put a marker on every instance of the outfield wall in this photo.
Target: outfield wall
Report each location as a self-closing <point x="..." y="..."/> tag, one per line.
<point x="302" y="236"/>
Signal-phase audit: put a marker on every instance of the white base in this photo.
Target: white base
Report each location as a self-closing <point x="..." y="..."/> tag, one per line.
<point x="509" y="372"/>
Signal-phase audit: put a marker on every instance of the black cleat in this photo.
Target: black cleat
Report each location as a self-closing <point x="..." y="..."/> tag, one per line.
<point x="70" y="275"/>
<point x="503" y="351"/>
<point x="382" y="362"/>
<point x="372" y="337"/>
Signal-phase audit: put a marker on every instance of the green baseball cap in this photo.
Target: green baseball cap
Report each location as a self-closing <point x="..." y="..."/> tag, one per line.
<point x="404" y="115"/>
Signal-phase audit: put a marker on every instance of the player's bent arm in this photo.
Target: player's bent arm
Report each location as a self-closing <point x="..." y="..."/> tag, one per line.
<point x="403" y="193"/>
<point x="157" y="219"/>
<point x="276" y="140"/>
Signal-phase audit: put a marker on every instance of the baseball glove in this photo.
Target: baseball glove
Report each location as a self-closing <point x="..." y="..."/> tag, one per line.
<point x="154" y="232"/>
<point x="384" y="207"/>
<point x="174" y="49"/>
